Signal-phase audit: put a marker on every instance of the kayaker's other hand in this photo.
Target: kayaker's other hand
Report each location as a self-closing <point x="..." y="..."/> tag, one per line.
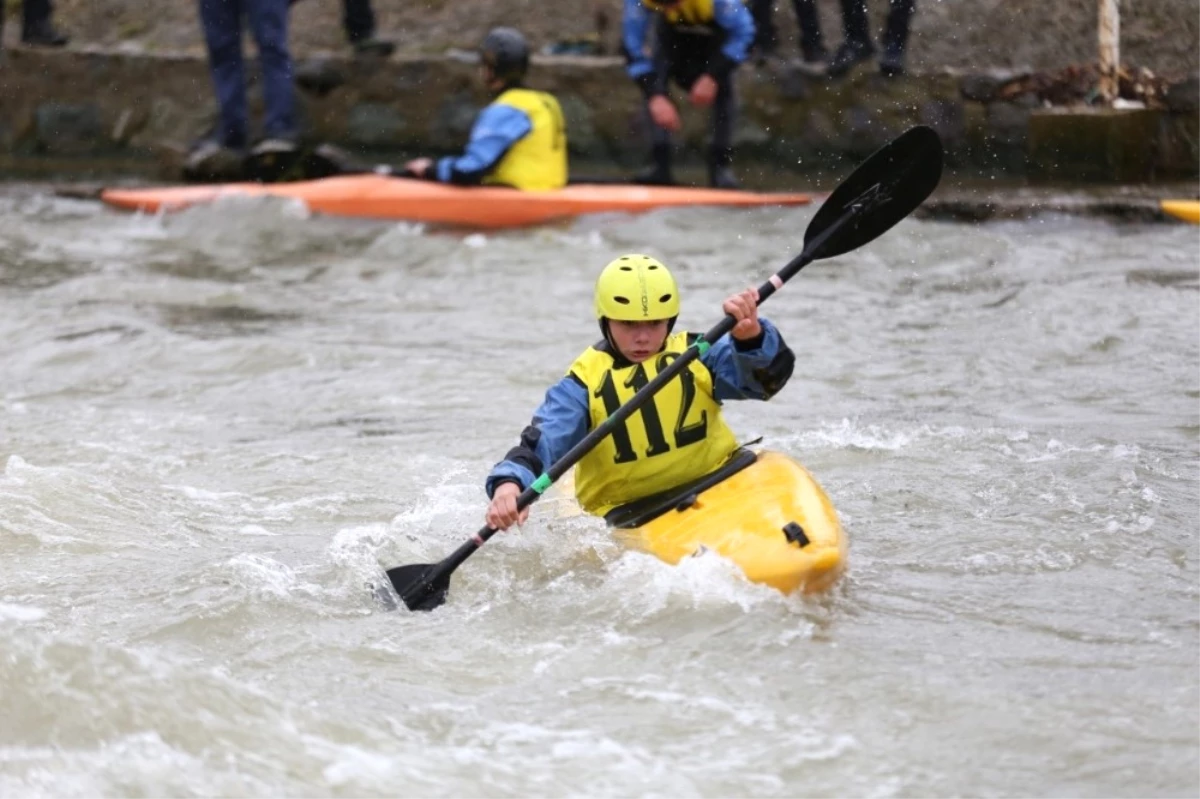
<point x="663" y="113"/>
<point x="743" y="307"/>
<point x="704" y="91"/>
<point x="502" y="513"/>
<point x="419" y="168"/>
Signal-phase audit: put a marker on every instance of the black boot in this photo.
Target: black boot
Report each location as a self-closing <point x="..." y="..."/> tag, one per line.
<point x="43" y="34"/>
<point x="720" y="176"/>
<point x="659" y="172"/>
<point x="850" y="54"/>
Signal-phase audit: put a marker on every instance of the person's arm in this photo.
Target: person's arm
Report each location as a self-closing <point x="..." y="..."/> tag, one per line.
<point x="733" y="17"/>
<point x="497" y="128"/>
<point x="636" y="20"/>
<point x="559" y="423"/>
<point x="754" y="369"/>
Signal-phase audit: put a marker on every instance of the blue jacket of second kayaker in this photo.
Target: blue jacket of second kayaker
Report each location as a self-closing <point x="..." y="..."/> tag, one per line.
<point x="754" y="369"/>
<point x="496" y="129"/>
<point x="730" y="22"/>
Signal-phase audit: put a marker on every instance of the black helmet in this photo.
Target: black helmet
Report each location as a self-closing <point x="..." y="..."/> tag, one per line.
<point x="506" y="53"/>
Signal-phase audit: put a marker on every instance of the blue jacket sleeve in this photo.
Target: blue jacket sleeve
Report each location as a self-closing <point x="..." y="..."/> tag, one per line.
<point x="559" y="423"/>
<point x="636" y="20"/>
<point x="733" y="17"/>
<point x="496" y="129"/>
<point x="750" y="370"/>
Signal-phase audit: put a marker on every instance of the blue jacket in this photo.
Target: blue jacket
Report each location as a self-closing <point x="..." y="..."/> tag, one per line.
<point x="496" y="129"/>
<point x="562" y="420"/>
<point x="730" y="17"/>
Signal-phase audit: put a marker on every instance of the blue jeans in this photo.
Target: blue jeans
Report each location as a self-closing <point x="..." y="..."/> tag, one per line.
<point x="222" y="21"/>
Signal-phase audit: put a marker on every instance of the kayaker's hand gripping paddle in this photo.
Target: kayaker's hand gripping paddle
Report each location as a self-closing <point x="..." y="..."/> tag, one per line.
<point x="886" y="188"/>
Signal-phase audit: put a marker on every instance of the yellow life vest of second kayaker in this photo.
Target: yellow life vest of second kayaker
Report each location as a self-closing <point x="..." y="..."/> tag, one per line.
<point x="677" y="436"/>
<point x="689" y="12"/>
<point x="538" y="161"/>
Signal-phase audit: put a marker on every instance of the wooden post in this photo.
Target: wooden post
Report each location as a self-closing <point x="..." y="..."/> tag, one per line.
<point x="1110" y="48"/>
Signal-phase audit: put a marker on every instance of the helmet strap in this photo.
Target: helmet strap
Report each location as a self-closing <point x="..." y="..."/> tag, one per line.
<point x="607" y="335"/>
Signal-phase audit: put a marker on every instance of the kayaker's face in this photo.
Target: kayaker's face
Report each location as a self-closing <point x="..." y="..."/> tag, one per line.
<point x="489" y="78"/>
<point x="638" y="341"/>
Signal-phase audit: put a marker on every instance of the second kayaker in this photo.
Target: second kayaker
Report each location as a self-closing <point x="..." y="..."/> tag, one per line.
<point x="519" y="140"/>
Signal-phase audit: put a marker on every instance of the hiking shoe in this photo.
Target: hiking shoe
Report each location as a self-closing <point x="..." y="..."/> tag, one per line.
<point x="377" y="48"/>
<point x="43" y="34"/>
<point x="814" y="65"/>
<point x="849" y="55"/>
<point x="891" y="65"/>
<point x="274" y="145"/>
<point x="210" y="160"/>
<point x="317" y="75"/>
<point x="272" y="159"/>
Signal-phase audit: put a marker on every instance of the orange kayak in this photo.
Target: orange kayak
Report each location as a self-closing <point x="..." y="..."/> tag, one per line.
<point x="383" y="197"/>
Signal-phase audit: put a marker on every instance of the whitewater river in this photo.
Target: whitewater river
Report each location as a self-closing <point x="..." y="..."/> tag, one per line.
<point x="217" y="427"/>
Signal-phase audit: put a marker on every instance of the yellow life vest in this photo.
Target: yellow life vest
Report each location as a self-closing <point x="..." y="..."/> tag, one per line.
<point x="539" y="159"/>
<point x="677" y="436"/>
<point x="689" y="12"/>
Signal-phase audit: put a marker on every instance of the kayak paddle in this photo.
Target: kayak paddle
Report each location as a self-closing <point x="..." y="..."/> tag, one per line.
<point x="884" y="189"/>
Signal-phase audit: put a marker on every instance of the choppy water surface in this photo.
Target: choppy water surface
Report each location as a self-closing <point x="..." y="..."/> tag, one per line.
<point x="216" y="427"/>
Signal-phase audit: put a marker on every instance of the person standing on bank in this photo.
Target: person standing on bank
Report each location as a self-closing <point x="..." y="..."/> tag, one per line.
<point x="813" y="57"/>
<point x="698" y="44"/>
<point x="856" y="44"/>
<point x="37" y="30"/>
<point x="222" y="22"/>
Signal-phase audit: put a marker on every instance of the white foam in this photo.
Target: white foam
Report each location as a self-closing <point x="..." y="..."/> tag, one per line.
<point x="10" y="612"/>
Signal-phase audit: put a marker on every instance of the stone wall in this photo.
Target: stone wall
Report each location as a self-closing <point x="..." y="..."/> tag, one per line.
<point x="1161" y="35"/>
<point x="93" y="113"/>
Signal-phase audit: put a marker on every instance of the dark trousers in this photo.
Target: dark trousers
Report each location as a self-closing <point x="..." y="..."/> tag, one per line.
<point x="766" y="39"/>
<point x="33" y="14"/>
<point x="895" y="30"/>
<point x="723" y="111"/>
<point x="358" y="19"/>
<point x="222" y="22"/>
<point x="683" y="58"/>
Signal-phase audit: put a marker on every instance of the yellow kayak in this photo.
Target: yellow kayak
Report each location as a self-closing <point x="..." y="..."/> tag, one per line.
<point x="1187" y="210"/>
<point x="769" y="516"/>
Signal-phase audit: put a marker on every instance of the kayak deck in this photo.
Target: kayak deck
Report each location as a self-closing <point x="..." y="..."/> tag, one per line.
<point x="385" y="197"/>
<point x="744" y="517"/>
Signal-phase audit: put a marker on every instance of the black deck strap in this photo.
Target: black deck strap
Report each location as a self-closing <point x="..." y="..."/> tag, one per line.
<point x="648" y="508"/>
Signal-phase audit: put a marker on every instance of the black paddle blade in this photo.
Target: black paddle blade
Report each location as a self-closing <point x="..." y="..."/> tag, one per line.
<point x="884" y="189"/>
<point x="413" y="585"/>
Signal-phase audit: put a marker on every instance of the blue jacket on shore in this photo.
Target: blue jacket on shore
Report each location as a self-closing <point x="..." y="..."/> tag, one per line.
<point x="562" y="420"/>
<point x="731" y="21"/>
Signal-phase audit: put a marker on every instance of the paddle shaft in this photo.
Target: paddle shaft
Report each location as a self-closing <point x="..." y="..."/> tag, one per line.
<point x="644" y="395"/>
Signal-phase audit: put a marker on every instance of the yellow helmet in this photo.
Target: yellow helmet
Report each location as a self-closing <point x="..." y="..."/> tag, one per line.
<point x="636" y="288"/>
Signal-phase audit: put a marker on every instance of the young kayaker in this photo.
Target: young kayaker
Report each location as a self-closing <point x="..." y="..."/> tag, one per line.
<point x="676" y="437"/>
<point x="519" y="140"/>
<point x="698" y="44"/>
